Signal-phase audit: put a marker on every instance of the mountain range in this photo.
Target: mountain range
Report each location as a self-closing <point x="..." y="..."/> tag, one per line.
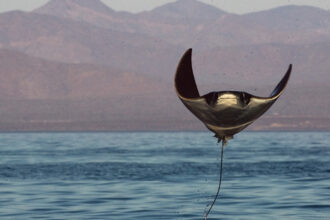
<point x="80" y="65"/>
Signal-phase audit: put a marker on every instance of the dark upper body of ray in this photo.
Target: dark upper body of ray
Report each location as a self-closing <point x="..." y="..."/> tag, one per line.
<point x="226" y="112"/>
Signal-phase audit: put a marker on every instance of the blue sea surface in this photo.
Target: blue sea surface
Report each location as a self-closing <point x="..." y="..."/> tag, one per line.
<point x="165" y="175"/>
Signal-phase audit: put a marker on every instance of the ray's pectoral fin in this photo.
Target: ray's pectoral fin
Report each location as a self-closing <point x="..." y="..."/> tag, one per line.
<point x="185" y="83"/>
<point x="282" y="84"/>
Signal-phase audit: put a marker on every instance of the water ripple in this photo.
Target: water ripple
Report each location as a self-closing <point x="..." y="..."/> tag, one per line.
<point x="282" y="175"/>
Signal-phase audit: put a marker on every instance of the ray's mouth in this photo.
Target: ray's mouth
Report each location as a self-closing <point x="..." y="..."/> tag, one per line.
<point x="229" y="98"/>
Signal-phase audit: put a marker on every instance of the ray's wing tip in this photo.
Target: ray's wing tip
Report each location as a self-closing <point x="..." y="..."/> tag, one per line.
<point x="282" y="84"/>
<point x="184" y="77"/>
<point x="289" y="69"/>
<point x="288" y="73"/>
<point x="188" y="53"/>
<point x="186" y="57"/>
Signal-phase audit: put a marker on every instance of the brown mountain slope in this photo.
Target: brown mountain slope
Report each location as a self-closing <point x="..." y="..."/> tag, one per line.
<point x="75" y="42"/>
<point x="25" y="77"/>
<point x="184" y="11"/>
<point x="69" y="41"/>
<point x="71" y="8"/>
<point x="94" y="11"/>
<point x="164" y="22"/>
<point x="90" y="11"/>
<point x="191" y="23"/>
<point x="291" y="18"/>
<point x="287" y="24"/>
<point x="37" y="94"/>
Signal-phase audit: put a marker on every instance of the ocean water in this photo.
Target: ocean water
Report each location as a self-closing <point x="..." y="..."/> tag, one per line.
<point x="165" y="175"/>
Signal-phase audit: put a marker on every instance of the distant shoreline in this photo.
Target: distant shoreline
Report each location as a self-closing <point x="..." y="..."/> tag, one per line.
<point x="266" y="123"/>
<point x="183" y="131"/>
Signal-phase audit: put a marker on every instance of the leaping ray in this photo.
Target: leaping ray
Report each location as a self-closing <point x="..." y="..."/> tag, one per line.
<point x="226" y="112"/>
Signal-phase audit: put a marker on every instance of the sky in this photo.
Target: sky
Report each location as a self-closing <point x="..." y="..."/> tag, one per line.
<point x="234" y="6"/>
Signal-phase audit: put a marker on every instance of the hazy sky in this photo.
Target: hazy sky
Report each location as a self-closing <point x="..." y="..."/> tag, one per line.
<point x="235" y="6"/>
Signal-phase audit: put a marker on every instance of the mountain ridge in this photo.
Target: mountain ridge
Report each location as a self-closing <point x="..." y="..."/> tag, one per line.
<point x="195" y="21"/>
<point x="69" y="41"/>
<point x="187" y="9"/>
<point x="64" y="6"/>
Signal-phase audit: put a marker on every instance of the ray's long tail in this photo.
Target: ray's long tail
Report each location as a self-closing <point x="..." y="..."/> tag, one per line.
<point x="220" y="178"/>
